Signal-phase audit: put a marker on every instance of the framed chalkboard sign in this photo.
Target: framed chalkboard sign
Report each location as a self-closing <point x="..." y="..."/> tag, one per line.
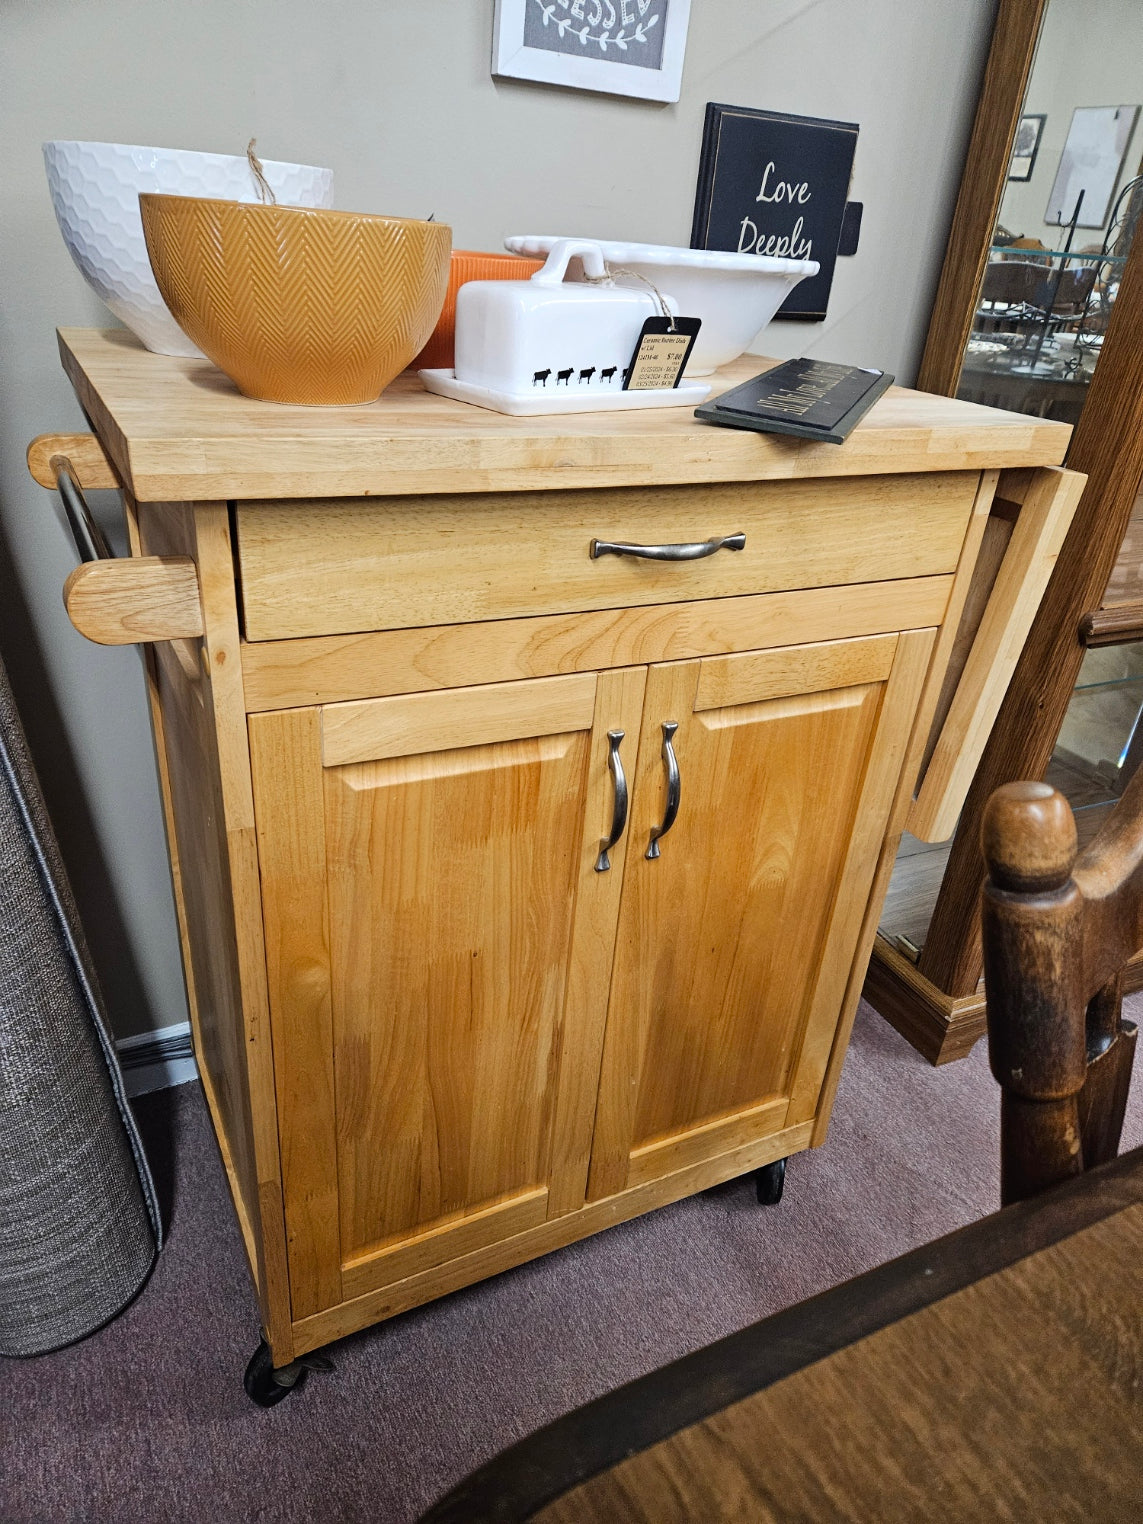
<point x="775" y="184"/>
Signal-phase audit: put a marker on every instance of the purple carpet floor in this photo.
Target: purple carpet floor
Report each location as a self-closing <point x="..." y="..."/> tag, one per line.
<point x="147" y="1421"/>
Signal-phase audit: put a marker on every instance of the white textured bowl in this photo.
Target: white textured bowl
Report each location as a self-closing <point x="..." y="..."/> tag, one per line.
<point x="735" y="295"/>
<point x="95" y="192"/>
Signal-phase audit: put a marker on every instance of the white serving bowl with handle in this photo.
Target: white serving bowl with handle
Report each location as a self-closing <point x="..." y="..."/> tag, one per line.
<point x="734" y="295"/>
<point x="95" y="192"/>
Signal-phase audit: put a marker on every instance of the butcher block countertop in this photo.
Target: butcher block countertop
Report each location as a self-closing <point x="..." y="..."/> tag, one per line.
<point x="179" y="430"/>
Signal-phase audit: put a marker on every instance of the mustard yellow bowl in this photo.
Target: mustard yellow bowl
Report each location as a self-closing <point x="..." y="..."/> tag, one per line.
<point x="298" y="304"/>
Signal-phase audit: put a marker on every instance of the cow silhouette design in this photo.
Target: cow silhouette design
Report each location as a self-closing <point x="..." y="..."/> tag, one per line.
<point x="609" y="373"/>
<point x="626" y="371"/>
<point x="565" y="375"/>
<point x="586" y="375"/>
<point x="541" y="377"/>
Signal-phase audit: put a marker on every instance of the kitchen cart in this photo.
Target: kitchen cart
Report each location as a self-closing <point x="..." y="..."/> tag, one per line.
<point x="531" y="786"/>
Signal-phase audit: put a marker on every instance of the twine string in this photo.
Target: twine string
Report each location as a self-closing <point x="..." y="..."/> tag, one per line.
<point x="265" y="189"/>
<point x="608" y="279"/>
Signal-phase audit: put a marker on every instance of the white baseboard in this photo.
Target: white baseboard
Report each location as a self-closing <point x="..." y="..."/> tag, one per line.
<point x="157" y="1060"/>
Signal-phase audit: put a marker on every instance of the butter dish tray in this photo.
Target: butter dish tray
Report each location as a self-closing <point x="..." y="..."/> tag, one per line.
<point x="534" y="404"/>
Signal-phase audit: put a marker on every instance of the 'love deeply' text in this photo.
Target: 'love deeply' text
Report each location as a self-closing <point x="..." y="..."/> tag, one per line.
<point x="791" y="245"/>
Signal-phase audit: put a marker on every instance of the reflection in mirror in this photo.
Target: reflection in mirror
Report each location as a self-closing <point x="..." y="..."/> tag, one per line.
<point x="1071" y="203"/>
<point x="1101" y="740"/>
<point x="1100" y="746"/>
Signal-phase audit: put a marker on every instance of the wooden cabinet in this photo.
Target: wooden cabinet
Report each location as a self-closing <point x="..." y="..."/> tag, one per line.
<point x="449" y="965"/>
<point x="734" y="945"/>
<point x="440" y="1031"/>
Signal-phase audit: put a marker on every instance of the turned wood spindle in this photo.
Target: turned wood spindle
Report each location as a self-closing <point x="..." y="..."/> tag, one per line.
<point x="1032" y="935"/>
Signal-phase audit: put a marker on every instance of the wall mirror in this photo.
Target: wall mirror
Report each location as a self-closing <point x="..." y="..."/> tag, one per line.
<point x="1040" y="311"/>
<point x="1069" y="204"/>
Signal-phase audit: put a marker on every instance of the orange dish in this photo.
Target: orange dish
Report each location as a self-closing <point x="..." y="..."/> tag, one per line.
<point x="468" y="265"/>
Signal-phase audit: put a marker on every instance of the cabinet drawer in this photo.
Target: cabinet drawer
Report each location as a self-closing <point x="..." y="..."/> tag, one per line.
<point x="343" y="566"/>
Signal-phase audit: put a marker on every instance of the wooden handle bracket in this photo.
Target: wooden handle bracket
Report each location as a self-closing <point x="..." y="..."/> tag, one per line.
<point x="113" y="601"/>
<point x="92" y="467"/>
<point x="117" y="603"/>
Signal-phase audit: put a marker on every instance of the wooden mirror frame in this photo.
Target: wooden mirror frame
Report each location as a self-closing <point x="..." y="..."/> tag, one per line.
<point x="938" y="1002"/>
<point x="1005" y="84"/>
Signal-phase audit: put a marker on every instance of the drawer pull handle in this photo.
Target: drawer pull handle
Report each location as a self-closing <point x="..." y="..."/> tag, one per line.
<point x="619" y="812"/>
<point x="692" y="552"/>
<point x="674" y="784"/>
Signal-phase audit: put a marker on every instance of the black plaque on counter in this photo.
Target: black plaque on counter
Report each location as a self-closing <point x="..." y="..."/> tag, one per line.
<point x="775" y="184"/>
<point x="811" y="399"/>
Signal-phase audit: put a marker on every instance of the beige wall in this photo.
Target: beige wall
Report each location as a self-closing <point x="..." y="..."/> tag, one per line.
<point x="396" y="96"/>
<point x="1090" y="53"/>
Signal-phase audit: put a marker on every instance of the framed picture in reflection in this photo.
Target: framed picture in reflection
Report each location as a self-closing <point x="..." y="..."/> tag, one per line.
<point x="1090" y="165"/>
<point x="1026" y="146"/>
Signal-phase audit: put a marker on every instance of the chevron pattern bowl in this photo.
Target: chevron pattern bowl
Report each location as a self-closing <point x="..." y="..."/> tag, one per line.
<point x="294" y="304"/>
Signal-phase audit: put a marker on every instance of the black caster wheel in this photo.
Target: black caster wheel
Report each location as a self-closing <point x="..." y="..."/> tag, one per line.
<point x="769" y="1181"/>
<point x="267" y="1386"/>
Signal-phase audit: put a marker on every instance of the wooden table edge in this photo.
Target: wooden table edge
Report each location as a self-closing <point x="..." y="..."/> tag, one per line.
<point x="537" y="1470"/>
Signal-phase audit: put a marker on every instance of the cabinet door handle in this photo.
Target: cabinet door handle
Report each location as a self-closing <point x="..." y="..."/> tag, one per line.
<point x="692" y="552"/>
<point x="619" y="812"/>
<point x="674" y="784"/>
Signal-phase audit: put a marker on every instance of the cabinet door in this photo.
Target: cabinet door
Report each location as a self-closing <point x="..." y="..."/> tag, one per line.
<point x="438" y="944"/>
<point x="735" y="943"/>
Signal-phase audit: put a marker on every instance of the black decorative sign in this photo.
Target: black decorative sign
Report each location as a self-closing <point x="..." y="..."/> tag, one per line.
<point x="775" y="184"/>
<point x="812" y="399"/>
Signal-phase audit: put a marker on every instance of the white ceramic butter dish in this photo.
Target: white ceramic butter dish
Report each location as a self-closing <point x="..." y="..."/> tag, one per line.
<point x="549" y="346"/>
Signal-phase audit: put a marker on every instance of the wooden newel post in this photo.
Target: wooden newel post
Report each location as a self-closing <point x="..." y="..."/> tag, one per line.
<point x="1033" y="977"/>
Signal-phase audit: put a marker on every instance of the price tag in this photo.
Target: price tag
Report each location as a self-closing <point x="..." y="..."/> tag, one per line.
<point x="663" y="350"/>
